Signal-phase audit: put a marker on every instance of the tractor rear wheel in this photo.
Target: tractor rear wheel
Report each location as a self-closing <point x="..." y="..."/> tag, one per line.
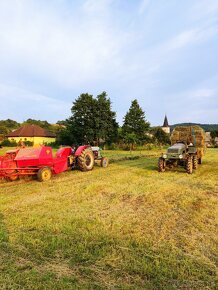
<point x="161" y="164"/>
<point x="104" y="162"/>
<point x="86" y="160"/>
<point x="189" y="165"/>
<point x="44" y="174"/>
<point x="195" y="162"/>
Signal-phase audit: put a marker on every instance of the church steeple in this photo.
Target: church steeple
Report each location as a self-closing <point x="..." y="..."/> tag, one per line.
<point x="166" y="127"/>
<point x="165" y="124"/>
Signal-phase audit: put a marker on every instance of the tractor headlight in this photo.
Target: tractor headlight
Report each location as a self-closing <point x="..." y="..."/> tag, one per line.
<point x="180" y="156"/>
<point x="164" y="156"/>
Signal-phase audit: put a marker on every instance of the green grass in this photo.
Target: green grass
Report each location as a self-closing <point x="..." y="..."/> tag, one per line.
<point x="124" y="227"/>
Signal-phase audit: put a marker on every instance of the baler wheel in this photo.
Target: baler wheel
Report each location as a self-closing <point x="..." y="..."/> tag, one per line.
<point x="104" y="162"/>
<point x="189" y="165"/>
<point x="195" y="162"/>
<point x="86" y="160"/>
<point x="12" y="178"/>
<point x="44" y="174"/>
<point x="161" y="164"/>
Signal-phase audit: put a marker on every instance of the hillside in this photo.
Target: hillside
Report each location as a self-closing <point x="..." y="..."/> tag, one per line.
<point x="206" y="127"/>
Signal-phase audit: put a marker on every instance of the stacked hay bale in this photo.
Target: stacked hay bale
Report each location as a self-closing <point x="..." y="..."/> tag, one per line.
<point x="190" y="134"/>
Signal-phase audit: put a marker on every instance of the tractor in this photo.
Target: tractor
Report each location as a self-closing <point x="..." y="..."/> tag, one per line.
<point x="187" y="149"/>
<point x="179" y="154"/>
<point x="40" y="162"/>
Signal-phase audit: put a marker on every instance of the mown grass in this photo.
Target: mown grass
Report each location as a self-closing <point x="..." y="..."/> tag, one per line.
<point x="124" y="227"/>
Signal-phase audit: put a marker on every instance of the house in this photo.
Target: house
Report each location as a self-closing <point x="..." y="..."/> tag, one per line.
<point x="32" y="133"/>
<point x="166" y="127"/>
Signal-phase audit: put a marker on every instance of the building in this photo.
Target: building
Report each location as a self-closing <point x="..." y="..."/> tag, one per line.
<point x="32" y="133"/>
<point x="166" y="127"/>
<point x="209" y="141"/>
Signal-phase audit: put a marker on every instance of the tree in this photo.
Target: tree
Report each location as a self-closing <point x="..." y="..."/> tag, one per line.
<point x="105" y="120"/>
<point x="43" y="124"/>
<point x="213" y="135"/>
<point x="160" y="137"/>
<point x="135" y="125"/>
<point x="92" y="121"/>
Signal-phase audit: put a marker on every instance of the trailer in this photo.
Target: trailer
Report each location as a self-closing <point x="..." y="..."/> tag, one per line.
<point x="39" y="161"/>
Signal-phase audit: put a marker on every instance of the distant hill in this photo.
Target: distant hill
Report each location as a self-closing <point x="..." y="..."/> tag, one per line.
<point x="206" y="127"/>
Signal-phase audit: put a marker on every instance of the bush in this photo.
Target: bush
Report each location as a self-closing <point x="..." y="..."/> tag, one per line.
<point x="8" y="143"/>
<point x="53" y="144"/>
<point x="28" y="143"/>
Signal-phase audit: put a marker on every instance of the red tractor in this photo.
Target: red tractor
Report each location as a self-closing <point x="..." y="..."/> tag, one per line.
<point x="40" y="162"/>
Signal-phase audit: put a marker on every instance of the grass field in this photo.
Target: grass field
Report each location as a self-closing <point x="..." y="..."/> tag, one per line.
<point x="124" y="227"/>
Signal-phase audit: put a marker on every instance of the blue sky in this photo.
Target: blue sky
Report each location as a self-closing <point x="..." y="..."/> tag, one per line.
<point x="164" y="53"/>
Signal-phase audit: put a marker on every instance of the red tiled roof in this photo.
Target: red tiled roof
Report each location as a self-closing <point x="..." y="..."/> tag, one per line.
<point x="31" y="131"/>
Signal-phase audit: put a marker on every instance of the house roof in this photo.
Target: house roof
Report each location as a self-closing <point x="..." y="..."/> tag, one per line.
<point x="31" y="131"/>
<point x="165" y="124"/>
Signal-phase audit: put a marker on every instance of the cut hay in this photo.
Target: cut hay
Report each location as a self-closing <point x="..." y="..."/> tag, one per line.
<point x="190" y="134"/>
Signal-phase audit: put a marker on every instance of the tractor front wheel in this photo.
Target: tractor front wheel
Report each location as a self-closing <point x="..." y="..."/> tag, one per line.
<point x="86" y="160"/>
<point x="195" y="162"/>
<point x="104" y="162"/>
<point x="189" y="165"/>
<point x="199" y="160"/>
<point x="44" y="174"/>
<point x="161" y="164"/>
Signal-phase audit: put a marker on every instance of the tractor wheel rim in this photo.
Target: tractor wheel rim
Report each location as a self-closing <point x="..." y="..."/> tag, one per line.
<point x="46" y="175"/>
<point x="88" y="160"/>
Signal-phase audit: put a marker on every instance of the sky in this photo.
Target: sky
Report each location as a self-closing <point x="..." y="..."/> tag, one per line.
<point x="162" y="53"/>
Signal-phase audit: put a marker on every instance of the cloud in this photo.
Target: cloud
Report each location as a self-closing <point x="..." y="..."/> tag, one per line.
<point x="35" y="105"/>
<point x="62" y="48"/>
<point x="143" y="6"/>
<point x="68" y="51"/>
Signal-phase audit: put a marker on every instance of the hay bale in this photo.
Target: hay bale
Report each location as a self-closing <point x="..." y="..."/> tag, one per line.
<point x="190" y="134"/>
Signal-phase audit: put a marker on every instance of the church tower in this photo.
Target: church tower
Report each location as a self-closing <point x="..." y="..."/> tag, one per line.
<point x="166" y="127"/>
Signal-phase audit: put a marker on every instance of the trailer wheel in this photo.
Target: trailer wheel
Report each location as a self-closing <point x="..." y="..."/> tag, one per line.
<point x="199" y="160"/>
<point x="12" y="178"/>
<point x="189" y="165"/>
<point x="44" y="174"/>
<point x="86" y="160"/>
<point x="104" y="162"/>
<point x="195" y="162"/>
<point x="161" y="164"/>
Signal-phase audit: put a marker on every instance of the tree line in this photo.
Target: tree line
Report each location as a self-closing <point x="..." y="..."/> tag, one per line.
<point x="93" y="121"/>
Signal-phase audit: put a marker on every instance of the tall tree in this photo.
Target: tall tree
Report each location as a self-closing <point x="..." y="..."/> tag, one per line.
<point x="105" y="120"/>
<point x="92" y="120"/>
<point x="135" y="123"/>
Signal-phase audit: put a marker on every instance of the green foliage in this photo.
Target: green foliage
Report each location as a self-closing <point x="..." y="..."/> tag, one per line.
<point x="92" y="121"/>
<point x="135" y="125"/>
<point x="3" y="130"/>
<point x="8" y="143"/>
<point x="28" y="143"/>
<point x="214" y="134"/>
<point x="7" y="126"/>
<point x="105" y="120"/>
<point x="206" y="127"/>
<point x="43" y="124"/>
<point x="160" y="137"/>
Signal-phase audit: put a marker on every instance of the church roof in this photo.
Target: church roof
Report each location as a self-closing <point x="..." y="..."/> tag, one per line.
<point x="31" y="131"/>
<point x="165" y="124"/>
